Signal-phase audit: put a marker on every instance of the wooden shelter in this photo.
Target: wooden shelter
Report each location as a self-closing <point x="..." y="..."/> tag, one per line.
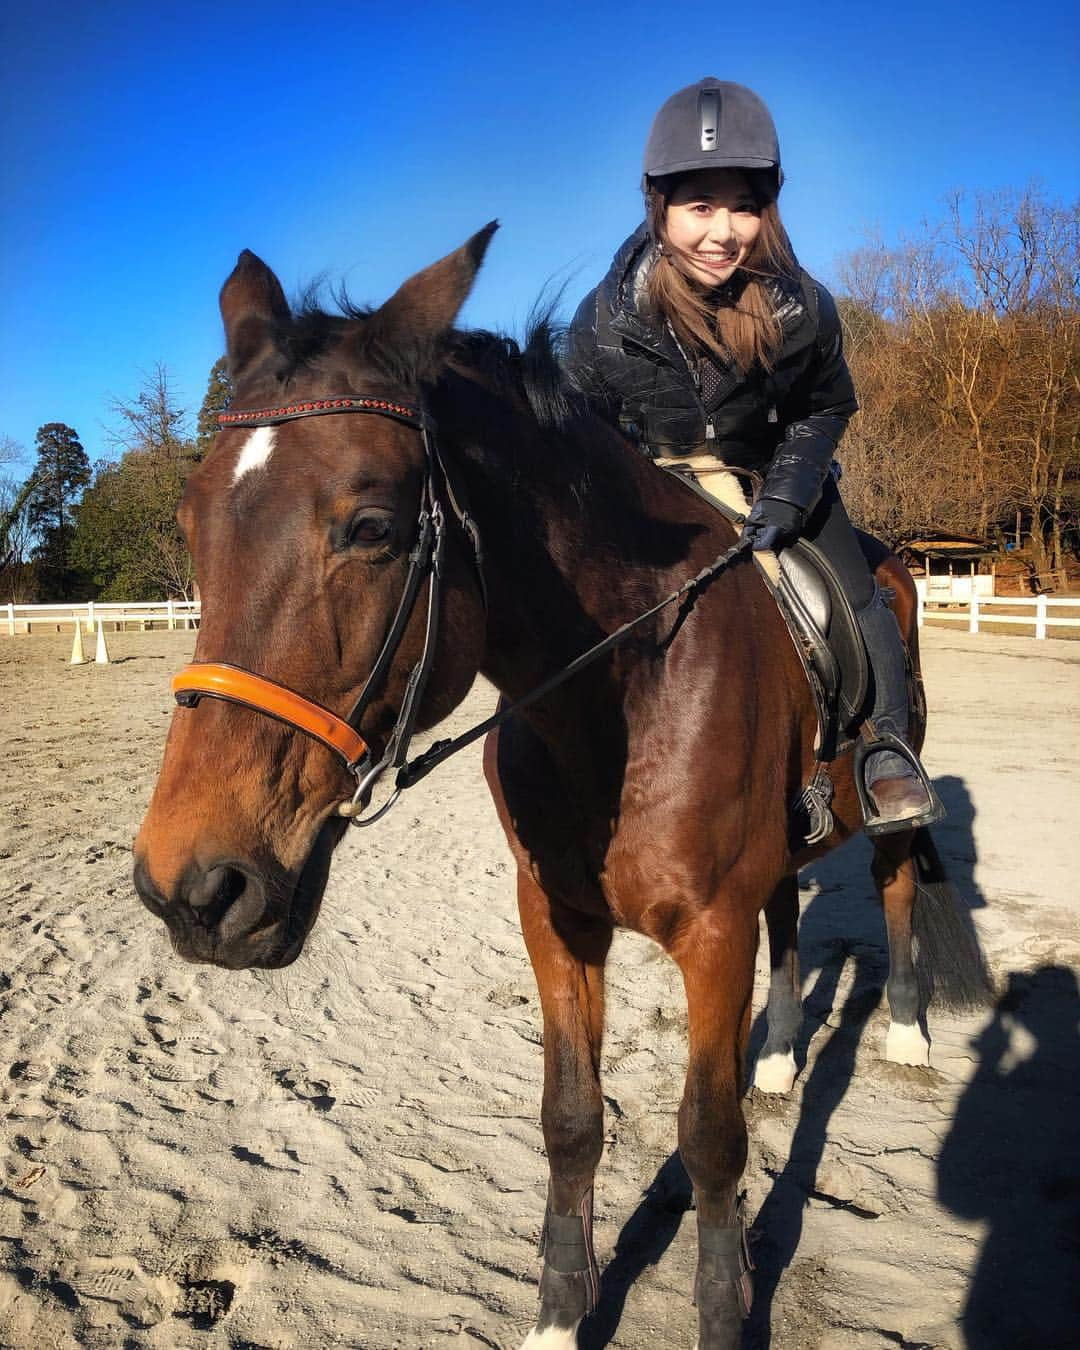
<point x="955" y="566"/>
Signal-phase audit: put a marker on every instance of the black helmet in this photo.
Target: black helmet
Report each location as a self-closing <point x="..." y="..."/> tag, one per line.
<point x="712" y="125"/>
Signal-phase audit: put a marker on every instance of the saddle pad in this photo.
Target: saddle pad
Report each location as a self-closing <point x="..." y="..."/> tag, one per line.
<point x="718" y="482"/>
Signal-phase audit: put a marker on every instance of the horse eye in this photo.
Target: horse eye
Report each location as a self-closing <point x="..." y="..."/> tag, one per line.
<point x="368" y="529"/>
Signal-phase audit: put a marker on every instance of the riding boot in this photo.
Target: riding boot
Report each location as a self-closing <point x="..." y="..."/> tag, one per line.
<point x="894" y="786"/>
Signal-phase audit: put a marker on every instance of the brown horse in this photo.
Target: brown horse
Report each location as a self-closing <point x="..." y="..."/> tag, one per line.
<point x="357" y="572"/>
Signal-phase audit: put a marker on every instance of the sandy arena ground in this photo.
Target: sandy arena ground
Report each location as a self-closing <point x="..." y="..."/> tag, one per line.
<point x="348" y="1152"/>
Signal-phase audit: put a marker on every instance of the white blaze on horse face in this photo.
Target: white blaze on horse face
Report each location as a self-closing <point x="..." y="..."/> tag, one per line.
<point x="255" y="451"/>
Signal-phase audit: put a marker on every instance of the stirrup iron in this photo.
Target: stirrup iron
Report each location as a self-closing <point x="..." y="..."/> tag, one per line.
<point x="872" y="825"/>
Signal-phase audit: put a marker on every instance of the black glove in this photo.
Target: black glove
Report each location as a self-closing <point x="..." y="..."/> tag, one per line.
<point x="772" y="523"/>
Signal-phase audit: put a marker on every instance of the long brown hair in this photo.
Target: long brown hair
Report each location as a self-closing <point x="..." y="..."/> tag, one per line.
<point x="734" y="322"/>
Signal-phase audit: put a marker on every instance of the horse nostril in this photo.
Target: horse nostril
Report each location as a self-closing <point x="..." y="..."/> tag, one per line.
<point x="213" y="893"/>
<point x="147" y="892"/>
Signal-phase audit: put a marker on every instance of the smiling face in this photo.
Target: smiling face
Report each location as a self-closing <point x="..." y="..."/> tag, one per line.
<point x="712" y="222"/>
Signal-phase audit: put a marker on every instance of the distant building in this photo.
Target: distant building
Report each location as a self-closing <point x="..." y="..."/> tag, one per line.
<point x="955" y="566"/>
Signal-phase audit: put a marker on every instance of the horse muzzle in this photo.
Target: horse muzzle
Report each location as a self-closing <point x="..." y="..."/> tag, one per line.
<point x="221" y="915"/>
<point x="228" y="913"/>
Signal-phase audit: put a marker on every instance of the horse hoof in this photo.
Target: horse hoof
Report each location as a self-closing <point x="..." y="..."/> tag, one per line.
<point x="552" y="1338"/>
<point x="905" y="1044"/>
<point x="775" y="1073"/>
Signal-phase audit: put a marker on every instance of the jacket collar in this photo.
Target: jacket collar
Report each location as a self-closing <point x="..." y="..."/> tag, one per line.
<point x="624" y="294"/>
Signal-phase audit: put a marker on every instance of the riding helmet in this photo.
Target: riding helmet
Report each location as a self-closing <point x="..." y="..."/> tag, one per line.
<point x="711" y="125"/>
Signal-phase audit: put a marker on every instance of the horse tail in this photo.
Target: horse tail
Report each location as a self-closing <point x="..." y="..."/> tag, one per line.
<point x="949" y="961"/>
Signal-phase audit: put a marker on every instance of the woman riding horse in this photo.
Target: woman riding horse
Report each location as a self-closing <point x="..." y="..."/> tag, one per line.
<point x="393" y="506"/>
<point x="707" y="341"/>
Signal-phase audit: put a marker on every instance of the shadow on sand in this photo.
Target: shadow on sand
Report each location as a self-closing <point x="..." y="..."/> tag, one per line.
<point x="842" y="923"/>
<point x="1012" y="1159"/>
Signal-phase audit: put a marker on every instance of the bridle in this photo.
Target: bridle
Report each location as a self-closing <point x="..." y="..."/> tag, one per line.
<point x="206" y="679"/>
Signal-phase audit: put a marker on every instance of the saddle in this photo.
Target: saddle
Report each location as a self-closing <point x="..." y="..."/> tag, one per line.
<point x="823" y="626"/>
<point x="812" y="600"/>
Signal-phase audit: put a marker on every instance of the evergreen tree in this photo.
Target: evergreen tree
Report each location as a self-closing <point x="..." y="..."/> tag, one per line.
<point x="127" y="541"/>
<point x="218" y="397"/>
<point x="61" y="470"/>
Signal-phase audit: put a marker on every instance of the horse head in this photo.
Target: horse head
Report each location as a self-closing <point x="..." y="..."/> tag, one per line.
<point x="301" y="528"/>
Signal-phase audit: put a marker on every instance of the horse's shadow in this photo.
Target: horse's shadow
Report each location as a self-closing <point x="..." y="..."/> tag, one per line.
<point x="843" y="922"/>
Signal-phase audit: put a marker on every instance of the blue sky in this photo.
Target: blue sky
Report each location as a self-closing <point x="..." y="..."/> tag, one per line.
<point x="144" y="145"/>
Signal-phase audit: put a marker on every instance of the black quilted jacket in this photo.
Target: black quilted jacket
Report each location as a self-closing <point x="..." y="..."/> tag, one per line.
<point x="785" y="423"/>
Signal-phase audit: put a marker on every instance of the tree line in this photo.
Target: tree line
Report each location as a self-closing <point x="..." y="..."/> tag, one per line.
<point x="71" y="531"/>
<point x="964" y="346"/>
<point x="965" y="349"/>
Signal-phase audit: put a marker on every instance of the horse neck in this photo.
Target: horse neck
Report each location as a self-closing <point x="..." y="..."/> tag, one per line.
<point x="579" y="536"/>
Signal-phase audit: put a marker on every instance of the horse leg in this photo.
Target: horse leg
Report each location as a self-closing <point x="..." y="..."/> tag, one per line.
<point x="775" y="1068"/>
<point x="568" y="951"/>
<point x="716" y="956"/>
<point x="895" y="877"/>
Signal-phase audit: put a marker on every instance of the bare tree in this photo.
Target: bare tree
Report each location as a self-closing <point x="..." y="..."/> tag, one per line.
<point x="152" y="420"/>
<point x="964" y="344"/>
<point x="16" y="583"/>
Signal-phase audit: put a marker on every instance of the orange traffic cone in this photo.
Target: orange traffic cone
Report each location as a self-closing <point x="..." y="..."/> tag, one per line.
<point x="102" y="656"/>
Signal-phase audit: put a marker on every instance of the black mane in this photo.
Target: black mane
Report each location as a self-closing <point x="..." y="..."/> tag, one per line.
<point x="530" y="371"/>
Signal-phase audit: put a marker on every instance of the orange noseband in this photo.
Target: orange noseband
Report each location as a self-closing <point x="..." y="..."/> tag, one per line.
<point x="206" y="679"/>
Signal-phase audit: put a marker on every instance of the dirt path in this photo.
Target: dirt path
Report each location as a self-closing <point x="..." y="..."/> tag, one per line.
<point x="348" y="1152"/>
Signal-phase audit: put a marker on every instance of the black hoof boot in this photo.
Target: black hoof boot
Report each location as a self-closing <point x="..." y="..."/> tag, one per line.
<point x="570" y="1282"/>
<point x="723" y="1290"/>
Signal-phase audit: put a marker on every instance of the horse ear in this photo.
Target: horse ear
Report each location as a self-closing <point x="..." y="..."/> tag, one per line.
<point x="425" y="307"/>
<point x="252" y="305"/>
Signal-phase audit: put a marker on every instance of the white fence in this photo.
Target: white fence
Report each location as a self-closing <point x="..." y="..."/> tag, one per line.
<point x="1042" y="611"/>
<point x="114" y="616"/>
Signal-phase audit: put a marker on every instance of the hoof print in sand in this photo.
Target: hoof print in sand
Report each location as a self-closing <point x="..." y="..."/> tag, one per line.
<point x="205" y="1302"/>
<point x="314" y="1091"/>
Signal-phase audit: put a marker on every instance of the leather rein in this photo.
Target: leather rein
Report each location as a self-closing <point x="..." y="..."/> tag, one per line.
<point x="206" y="679"/>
